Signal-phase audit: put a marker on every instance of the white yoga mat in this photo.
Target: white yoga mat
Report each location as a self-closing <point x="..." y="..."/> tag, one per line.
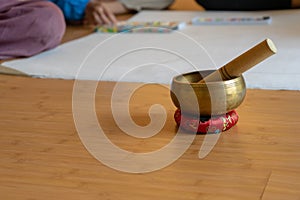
<point x="154" y="57"/>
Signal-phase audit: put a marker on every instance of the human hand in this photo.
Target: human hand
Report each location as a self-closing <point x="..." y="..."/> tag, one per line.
<point x="98" y="13"/>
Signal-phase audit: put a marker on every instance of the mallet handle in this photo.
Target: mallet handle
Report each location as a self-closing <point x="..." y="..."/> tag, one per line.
<point x="243" y="62"/>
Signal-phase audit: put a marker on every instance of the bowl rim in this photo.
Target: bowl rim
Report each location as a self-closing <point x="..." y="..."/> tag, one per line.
<point x="227" y="82"/>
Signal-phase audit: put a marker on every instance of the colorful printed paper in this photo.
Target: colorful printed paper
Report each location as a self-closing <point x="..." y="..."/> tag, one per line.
<point x="141" y="27"/>
<point x="231" y="20"/>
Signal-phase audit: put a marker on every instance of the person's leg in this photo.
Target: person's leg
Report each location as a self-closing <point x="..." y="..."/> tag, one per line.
<point x="29" y="27"/>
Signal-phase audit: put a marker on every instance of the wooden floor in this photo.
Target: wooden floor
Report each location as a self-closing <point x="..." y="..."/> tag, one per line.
<point x="42" y="156"/>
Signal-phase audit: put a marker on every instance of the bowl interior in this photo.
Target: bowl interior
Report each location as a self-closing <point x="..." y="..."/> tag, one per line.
<point x="192" y="77"/>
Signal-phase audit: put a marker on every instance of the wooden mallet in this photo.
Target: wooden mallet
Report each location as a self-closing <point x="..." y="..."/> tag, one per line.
<point x="243" y="62"/>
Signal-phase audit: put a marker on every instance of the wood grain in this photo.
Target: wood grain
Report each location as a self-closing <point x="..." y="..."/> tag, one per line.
<point x="42" y="156"/>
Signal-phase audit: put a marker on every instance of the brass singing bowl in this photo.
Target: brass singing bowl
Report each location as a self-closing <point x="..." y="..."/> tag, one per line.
<point x="211" y="98"/>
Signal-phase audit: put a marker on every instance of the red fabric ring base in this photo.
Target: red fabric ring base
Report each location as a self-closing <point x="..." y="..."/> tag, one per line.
<point x="215" y="124"/>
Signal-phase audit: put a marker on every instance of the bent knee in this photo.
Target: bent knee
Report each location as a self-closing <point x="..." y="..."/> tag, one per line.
<point x="30" y="28"/>
<point x="50" y="23"/>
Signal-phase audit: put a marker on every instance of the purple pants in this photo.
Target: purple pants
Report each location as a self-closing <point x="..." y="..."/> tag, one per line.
<point x="29" y="27"/>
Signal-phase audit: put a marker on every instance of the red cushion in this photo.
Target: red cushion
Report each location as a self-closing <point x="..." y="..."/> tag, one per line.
<point x="215" y="124"/>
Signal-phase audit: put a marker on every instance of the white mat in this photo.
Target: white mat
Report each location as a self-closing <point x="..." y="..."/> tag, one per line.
<point x="158" y="57"/>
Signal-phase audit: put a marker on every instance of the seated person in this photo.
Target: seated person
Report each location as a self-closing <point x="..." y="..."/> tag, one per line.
<point x="247" y="5"/>
<point x="28" y="27"/>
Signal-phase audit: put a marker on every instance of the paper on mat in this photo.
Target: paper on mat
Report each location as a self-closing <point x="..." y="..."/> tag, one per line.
<point x="159" y="57"/>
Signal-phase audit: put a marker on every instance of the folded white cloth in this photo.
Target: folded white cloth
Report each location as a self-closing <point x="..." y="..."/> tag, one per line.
<point x="157" y="58"/>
